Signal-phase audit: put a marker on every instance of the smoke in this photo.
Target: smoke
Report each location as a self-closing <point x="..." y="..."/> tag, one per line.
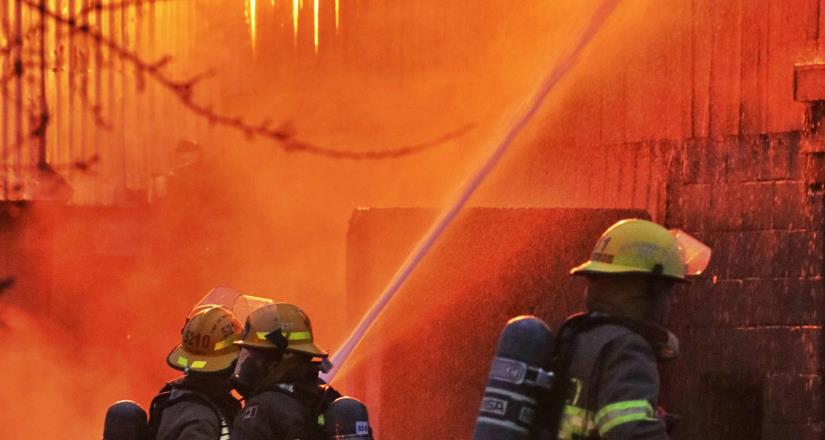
<point x="102" y="292"/>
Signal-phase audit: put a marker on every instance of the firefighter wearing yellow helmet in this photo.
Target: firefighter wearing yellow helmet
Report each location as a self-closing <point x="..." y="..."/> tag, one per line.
<point x="277" y="373"/>
<point x="199" y="404"/>
<point x="608" y="355"/>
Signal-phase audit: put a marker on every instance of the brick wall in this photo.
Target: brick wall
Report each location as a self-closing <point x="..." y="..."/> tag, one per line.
<point x="751" y="328"/>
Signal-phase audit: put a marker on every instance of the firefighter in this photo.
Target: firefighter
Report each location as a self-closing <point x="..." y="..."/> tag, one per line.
<point x="199" y="404"/>
<point x="607" y="358"/>
<point x="277" y="374"/>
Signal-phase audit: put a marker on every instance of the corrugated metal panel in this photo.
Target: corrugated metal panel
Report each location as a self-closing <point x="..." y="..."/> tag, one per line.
<point x="100" y="128"/>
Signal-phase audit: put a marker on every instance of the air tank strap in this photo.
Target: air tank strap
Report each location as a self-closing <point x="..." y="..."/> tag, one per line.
<point x="517" y="372"/>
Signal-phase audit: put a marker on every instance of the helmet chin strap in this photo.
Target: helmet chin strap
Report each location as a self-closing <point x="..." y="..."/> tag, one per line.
<point x="657" y="294"/>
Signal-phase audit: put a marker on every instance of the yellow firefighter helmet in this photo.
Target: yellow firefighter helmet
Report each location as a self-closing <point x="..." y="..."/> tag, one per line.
<point x="280" y="326"/>
<point x="207" y="341"/>
<point x="641" y="246"/>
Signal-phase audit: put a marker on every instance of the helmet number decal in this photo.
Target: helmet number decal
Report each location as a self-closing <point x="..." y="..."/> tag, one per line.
<point x="598" y="252"/>
<point x="227" y="330"/>
<point x="193" y="339"/>
<point x="602" y="244"/>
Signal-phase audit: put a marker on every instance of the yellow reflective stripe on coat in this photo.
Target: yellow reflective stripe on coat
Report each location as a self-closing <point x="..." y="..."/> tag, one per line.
<point x="619" y="413"/>
<point x="576" y="422"/>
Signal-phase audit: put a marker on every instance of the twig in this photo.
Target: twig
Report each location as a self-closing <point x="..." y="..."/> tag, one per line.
<point x="184" y="91"/>
<point x="14" y="42"/>
<point x="114" y="6"/>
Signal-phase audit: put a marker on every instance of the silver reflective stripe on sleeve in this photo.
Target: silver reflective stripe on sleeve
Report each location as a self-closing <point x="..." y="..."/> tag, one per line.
<point x="504" y="424"/>
<point x="224" y="430"/>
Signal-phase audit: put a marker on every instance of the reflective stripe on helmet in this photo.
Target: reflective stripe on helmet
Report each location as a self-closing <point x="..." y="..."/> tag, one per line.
<point x="300" y="336"/>
<point x="619" y="413"/>
<point x="184" y="362"/>
<point x="294" y="336"/>
<point x="228" y="342"/>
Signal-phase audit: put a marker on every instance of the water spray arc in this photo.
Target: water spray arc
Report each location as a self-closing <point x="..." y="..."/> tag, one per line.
<point x="556" y="74"/>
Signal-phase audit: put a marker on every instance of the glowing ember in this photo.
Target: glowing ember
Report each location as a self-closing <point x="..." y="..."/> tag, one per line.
<point x="295" y="15"/>
<point x="315" y="25"/>
<point x="250" y="12"/>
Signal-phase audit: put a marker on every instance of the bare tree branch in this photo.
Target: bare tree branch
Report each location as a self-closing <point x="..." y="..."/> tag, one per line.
<point x="115" y="5"/>
<point x="184" y="91"/>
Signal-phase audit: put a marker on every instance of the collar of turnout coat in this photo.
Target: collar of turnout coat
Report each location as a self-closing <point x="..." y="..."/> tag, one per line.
<point x="665" y="344"/>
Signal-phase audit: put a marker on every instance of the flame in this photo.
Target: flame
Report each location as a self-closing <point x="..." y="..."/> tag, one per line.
<point x="250" y="12"/>
<point x="315" y="25"/>
<point x="295" y="15"/>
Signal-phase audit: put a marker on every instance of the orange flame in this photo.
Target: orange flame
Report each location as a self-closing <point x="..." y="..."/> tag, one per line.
<point x="250" y="12"/>
<point x="337" y="15"/>
<point x="315" y="25"/>
<point x="295" y="15"/>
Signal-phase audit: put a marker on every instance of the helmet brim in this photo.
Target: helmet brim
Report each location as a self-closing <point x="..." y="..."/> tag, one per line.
<point x="597" y="267"/>
<point x="180" y="359"/>
<point x="256" y="345"/>
<point x="307" y="348"/>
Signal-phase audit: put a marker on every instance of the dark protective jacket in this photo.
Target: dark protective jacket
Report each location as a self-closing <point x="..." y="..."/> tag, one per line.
<point x="289" y="409"/>
<point x="192" y="409"/>
<point x="612" y="381"/>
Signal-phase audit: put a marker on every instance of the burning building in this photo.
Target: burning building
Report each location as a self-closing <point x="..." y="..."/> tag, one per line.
<point x="153" y="150"/>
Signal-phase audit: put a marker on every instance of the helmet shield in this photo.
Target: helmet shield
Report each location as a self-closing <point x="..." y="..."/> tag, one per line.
<point x="219" y="296"/>
<point x="246" y="304"/>
<point x="695" y="254"/>
<point x="240" y="304"/>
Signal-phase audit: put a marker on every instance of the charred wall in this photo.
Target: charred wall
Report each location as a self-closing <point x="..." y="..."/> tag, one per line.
<point x="752" y="326"/>
<point x="709" y="87"/>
